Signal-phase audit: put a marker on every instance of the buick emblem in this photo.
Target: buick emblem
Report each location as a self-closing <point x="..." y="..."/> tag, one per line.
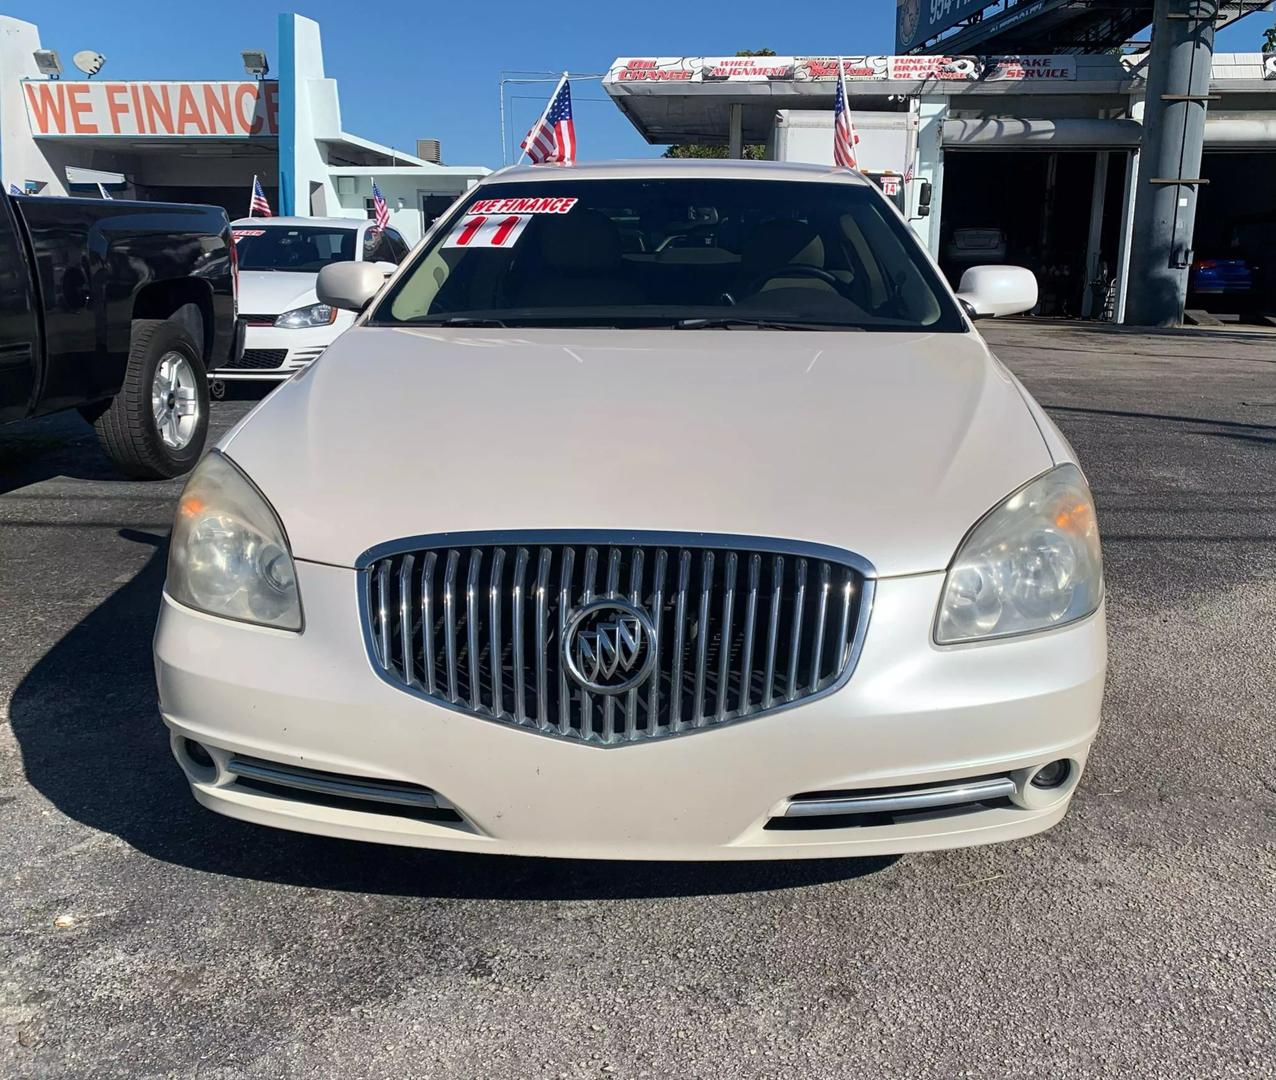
<point x="607" y="646"/>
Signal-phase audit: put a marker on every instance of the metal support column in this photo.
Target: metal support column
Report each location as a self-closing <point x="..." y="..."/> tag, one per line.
<point x="1094" y="245"/>
<point x="1132" y="168"/>
<point x="1178" y="95"/>
<point x="735" y="135"/>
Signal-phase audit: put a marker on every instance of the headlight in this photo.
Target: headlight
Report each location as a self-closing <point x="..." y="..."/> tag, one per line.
<point x="302" y="317"/>
<point x="1033" y="563"/>
<point x="229" y="555"/>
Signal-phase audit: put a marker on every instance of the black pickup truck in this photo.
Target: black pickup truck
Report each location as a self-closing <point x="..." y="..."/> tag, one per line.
<point x="117" y="309"/>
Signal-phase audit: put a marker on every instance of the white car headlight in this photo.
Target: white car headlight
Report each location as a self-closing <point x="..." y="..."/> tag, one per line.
<point x="1033" y="563"/>
<point x="229" y="555"/>
<point x="303" y="317"/>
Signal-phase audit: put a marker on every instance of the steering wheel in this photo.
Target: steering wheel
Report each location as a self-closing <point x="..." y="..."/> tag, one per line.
<point x="797" y="270"/>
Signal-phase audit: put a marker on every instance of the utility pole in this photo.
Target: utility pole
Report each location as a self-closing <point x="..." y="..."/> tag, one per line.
<point x="1178" y="95"/>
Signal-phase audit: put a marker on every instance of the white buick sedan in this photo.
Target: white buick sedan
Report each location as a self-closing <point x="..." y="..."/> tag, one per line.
<point x="650" y="511"/>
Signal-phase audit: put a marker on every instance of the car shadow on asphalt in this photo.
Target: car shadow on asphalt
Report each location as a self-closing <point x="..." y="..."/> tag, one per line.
<point x="54" y="446"/>
<point x="86" y="721"/>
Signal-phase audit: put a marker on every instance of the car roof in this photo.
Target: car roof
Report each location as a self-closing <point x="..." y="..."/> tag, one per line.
<point x="676" y="168"/>
<point x="337" y="222"/>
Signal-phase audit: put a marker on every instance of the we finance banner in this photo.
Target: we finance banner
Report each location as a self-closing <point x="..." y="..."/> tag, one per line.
<point x="59" y="109"/>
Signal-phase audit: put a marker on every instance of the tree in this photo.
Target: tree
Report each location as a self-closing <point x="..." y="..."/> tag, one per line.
<point x="704" y="150"/>
<point x="1269" y="40"/>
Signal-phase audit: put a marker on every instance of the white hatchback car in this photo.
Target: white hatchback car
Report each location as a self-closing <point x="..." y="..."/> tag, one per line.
<point x="654" y="511"/>
<point x="285" y="325"/>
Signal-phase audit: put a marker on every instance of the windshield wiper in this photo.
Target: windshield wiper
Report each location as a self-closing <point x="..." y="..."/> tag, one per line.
<point x="455" y="320"/>
<point x="728" y="322"/>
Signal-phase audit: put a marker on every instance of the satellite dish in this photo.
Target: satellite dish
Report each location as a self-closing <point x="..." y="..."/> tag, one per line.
<point x="88" y="61"/>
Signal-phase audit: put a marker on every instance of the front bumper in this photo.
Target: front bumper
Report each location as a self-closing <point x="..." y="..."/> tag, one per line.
<point x="275" y="353"/>
<point x="912" y="714"/>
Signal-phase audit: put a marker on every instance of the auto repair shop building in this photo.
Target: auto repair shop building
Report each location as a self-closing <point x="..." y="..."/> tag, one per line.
<point x="1033" y="157"/>
<point x="204" y="142"/>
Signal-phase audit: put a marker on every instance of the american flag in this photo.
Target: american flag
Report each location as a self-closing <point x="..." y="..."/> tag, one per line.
<point x="844" y="137"/>
<point x="553" y="138"/>
<point x="258" y="206"/>
<point x="378" y="204"/>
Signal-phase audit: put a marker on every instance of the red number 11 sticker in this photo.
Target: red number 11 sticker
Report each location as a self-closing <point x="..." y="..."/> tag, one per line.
<point x="488" y="231"/>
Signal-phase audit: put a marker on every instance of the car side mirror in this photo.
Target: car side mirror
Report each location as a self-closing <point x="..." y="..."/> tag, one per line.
<point x="989" y="292"/>
<point x="925" y="194"/>
<point x="386" y="267"/>
<point x="349" y="285"/>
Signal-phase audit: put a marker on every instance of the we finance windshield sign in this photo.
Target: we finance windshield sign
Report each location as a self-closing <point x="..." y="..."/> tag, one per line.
<point x="921" y="20"/>
<point x="59" y="109"/>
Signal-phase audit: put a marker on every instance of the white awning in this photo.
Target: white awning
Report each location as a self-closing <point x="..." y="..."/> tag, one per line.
<point x="76" y="175"/>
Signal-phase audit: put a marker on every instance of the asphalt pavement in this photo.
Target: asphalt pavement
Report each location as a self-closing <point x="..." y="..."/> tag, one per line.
<point x="143" y="936"/>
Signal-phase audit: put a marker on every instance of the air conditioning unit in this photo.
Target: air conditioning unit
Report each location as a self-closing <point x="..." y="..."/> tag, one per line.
<point x="429" y="150"/>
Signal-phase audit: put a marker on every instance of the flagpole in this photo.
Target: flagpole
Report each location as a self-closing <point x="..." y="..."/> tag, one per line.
<point x="846" y="104"/>
<point x="252" y="193"/>
<point x="841" y="85"/>
<point x="544" y="113"/>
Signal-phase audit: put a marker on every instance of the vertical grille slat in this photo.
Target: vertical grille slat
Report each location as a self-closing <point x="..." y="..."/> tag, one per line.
<point x="586" y="596"/>
<point x="449" y="622"/>
<point x="795" y="632"/>
<point x="727" y="632"/>
<point x="657" y="612"/>
<point x="407" y="650"/>
<point x="427" y="621"/>
<point x="495" y="587"/>
<point x="822" y="610"/>
<point x="750" y="620"/>
<point x="383" y="614"/>
<point x="613" y="589"/>
<point x="724" y="651"/>
<point x="518" y="589"/>
<point x="542" y="639"/>
<point x="564" y="608"/>
<point x="844" y="627"/>
<point x="635" y="598"/>
<point x="679" y="638"/>
<point x="773" y="630"/>
<point x="698" y="716"/>
<point x="472" y="627"/>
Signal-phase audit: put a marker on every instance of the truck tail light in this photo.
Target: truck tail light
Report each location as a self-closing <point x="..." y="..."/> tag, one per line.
<point x="234" y="271"/>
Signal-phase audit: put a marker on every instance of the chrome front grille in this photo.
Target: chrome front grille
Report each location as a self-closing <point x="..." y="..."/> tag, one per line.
<point x="736" y="627"/>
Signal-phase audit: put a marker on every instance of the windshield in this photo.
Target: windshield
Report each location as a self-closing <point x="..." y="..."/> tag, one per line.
<point x="299" y="249"/>
<point x="681" y="253"/>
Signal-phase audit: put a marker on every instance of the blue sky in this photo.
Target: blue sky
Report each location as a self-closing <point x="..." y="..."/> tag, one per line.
<point x="410" y="69"/>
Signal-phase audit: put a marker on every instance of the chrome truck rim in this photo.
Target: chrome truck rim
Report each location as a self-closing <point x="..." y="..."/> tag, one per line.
<point x="175" y="401"/>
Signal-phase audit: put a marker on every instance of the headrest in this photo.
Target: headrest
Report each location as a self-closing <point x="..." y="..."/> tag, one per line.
<point x="579" y="240"/>
<point x="782" y="243"/>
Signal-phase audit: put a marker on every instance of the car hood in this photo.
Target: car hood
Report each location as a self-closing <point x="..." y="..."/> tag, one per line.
<point x="272" y="292"/>
<point x="888" y="445"/>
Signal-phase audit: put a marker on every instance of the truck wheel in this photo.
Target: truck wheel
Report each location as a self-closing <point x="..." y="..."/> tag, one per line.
<point x="156" y="425"/>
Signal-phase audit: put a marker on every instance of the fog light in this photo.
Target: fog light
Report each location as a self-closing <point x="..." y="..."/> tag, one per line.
<point x="1053" y="775"/>
<point x="196" y="752"/>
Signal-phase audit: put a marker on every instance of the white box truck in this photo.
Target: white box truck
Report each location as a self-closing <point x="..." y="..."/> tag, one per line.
<point x="887" y="146"/>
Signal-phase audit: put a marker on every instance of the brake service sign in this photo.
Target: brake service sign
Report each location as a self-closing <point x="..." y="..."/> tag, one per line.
<point x="59" y="109"/>
<point x="920" y="20"/>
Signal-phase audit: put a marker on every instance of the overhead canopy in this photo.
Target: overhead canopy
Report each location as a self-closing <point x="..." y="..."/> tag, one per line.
<point x="1064" y="26"/>
<point x="691" y="98"/>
